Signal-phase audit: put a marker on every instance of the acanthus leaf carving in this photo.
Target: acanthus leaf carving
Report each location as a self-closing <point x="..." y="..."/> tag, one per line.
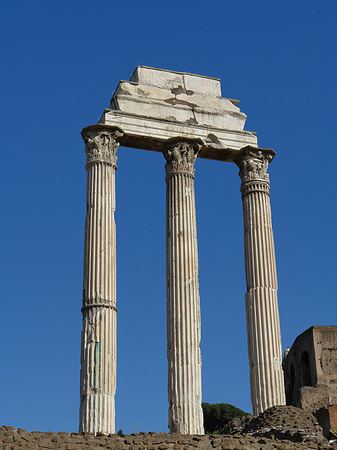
<point x="181" y="156"/>
<point x="101" y="147"/>
<point x="253" y="166"/>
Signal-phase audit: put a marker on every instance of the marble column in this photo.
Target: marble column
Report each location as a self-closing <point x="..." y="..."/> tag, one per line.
<point x="183" y="302"/>
<point x="263" y="324"/>
<point x="98" y="347"/>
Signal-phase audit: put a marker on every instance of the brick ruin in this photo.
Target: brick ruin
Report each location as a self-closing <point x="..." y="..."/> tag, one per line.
<point x="310" y="374"/>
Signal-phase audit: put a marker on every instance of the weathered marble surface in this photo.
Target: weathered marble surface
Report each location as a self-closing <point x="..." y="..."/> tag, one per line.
<point x="98" y="344"/>
<point x="169" y="79"/>
<point x="263" y="323"/>
<point x="157" y="105"/>
<point x="177" y="105"/>
<point x="183" y="301"/>
<point x="151" y="111"/>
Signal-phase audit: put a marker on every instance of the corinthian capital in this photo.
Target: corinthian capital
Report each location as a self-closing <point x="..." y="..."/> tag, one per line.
<point x="101" y="146"/>
<point x="181" y="156"/>
<point x="253" y="164"/>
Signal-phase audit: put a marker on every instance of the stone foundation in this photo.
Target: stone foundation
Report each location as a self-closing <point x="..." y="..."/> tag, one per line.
<point x="15" y="439"/>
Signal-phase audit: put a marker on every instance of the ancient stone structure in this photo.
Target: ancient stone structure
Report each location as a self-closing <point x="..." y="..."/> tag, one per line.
<point x="263" y="324"/>
<point x="98" y="352"/>
<point x="183" y="304"/>
<point x="275" y="431"/>
<point x="310" y="374"/>
<point x="184" y="117"/>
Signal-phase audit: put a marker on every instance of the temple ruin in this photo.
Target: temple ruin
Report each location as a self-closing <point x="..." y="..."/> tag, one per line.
<point x="183" y="116"/>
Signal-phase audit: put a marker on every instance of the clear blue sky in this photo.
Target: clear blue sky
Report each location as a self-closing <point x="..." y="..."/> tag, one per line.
<point x="61" y="61"/>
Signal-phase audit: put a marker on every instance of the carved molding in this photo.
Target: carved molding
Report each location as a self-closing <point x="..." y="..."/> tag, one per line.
<point x="101" y="146"/>
<point x="98" y="305"/>
<point x="180" y="157"/>
<point x="255" y="186"/>
<point x="253" y="166"/>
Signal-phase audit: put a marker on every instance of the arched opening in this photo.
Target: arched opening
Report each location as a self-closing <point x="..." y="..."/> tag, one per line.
<point x="305" y="369"/>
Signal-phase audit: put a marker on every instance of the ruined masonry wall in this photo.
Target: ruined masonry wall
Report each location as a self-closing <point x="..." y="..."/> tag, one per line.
<point x="15" y="439"/>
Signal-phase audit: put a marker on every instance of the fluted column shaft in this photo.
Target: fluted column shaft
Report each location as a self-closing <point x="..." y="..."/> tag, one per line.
<point x="98" y="346"/>
<point x="183" y="302"/>
<point x="263" y="324"/>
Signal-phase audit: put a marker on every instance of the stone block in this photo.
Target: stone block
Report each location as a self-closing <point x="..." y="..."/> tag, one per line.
<point x="150" y="76"/>
<point x="157" y="105"/>
<point x="136" y="90"/>
<point x="167" y="79"/>
<point x="205" y="86"/>
<point x="161" y="104"/>
<point x="172" y="96"/>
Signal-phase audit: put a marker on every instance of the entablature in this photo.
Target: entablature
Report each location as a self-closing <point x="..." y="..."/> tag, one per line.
<point x="157" y="105"/>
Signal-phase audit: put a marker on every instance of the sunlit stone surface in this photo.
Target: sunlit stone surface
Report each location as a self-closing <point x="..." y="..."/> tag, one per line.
<point x="98" y="351"/>
<point x="157" y="105"/>
<point x="183" y="303"/>
<point x="263" y="324"/>
<point x="183" y="116"/>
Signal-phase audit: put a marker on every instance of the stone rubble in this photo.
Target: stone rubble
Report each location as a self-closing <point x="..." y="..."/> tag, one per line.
<point x="15" y="439"/>
<point x="281" y="422"/>
<point x="278" y="428"/>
